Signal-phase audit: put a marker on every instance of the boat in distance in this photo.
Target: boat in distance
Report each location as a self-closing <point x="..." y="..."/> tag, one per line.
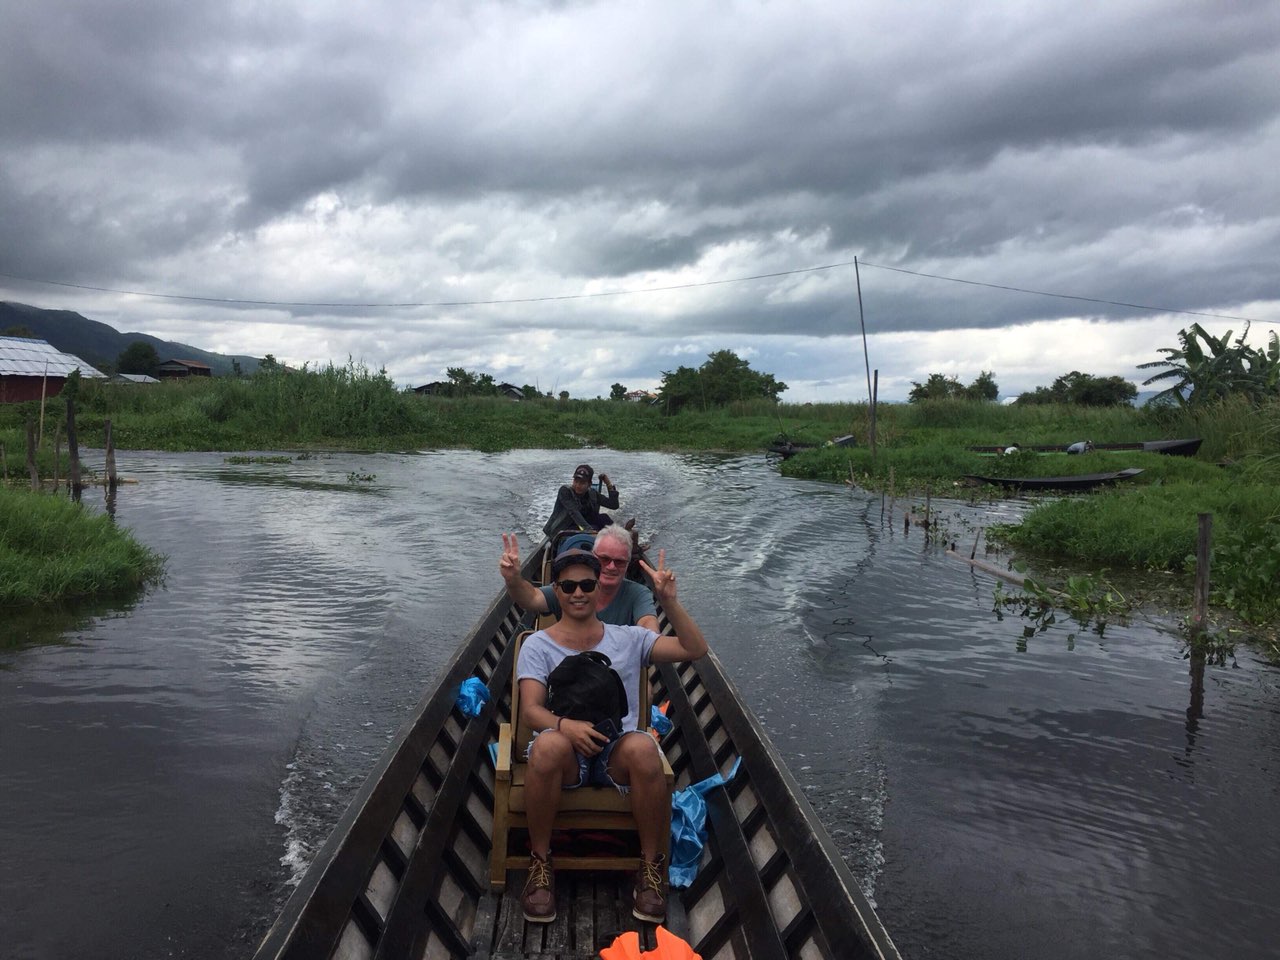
<point x="1171" y="448"/>
<point x="405" y="872"/>
<point x="786" y="449"/>
<point x="1083" y="481"/>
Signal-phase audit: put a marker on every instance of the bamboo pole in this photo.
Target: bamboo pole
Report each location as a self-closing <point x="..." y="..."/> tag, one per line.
<point x="4" y="465"/>
<point x="73" y="450"/>
<point x="862" y="319"/>
<point x="1200" y="615"/>
<point x="31" y="456"/>
<point x="1014" y="578"/>
<point x="111" y="459"/>
<point x="875" y="399"/>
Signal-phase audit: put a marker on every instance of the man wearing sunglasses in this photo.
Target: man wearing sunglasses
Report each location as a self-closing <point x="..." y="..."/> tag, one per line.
<point x="567" y="753"/>
<point x="618" y="600"/>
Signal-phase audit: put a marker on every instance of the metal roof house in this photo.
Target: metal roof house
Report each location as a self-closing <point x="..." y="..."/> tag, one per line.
<point x="134" y="378"/>
<point x="30" y="368"/>
<point x="176" y="369"/>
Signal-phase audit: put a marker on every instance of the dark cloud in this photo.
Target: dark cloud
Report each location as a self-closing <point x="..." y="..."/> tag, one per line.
<point x="477" y="151"/>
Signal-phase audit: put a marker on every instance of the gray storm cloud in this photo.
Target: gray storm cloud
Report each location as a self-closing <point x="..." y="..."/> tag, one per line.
<point x="482" y="151"/>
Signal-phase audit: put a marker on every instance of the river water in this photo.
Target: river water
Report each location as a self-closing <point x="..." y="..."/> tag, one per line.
<point x="167" y="769"/>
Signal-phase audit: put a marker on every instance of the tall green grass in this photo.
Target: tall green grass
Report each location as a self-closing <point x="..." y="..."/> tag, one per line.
<point x="52" y="550"/>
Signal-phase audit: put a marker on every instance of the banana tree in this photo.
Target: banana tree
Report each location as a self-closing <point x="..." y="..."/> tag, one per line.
<point x="1203" y="373"/>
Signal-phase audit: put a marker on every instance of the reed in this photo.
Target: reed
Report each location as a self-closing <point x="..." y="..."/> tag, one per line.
<point x="52" y="550"/>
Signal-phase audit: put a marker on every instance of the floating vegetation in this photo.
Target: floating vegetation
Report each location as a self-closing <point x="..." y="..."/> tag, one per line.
<point x="1089" y="600"/>
<point x="354" y="477"/>
<point x="240" y="459"/>
<point x="1213" y="646"/>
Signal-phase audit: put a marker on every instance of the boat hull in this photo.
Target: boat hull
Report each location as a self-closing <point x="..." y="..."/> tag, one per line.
<point x="1085" y="481"/>
<point x="405" y="873"/>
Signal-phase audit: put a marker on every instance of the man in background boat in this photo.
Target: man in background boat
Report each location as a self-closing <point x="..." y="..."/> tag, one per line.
<point x="567" y="753"/>
<point x="619" y="601"/>
<point x="578" y="505"/>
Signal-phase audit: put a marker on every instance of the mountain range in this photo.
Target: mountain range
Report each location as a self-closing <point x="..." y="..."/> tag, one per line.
<point x="99" y="344"/>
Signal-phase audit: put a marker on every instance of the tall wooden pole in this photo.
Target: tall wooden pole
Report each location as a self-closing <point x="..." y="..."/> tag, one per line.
<point x="875" y="396"/>
<point x="111" y="459"/>
<point x="1199" y="616"/>
<point x="862" y="319"/>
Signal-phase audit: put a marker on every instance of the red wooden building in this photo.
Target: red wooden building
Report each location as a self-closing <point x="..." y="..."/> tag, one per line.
<point x="29" y="368"/>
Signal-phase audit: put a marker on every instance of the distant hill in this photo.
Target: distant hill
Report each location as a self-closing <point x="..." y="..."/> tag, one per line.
<point x="99" y="344"/>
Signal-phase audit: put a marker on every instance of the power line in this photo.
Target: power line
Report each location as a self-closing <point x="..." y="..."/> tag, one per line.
<point x="1061" y="296"/>
<point x="623" y="293"/>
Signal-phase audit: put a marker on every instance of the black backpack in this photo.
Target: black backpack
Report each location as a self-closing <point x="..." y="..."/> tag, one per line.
<point x="586" y="687"/>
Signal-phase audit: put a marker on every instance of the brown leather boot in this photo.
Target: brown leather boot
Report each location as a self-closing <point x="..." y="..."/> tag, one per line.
<point x="649" y="896"/>
<point x="538" y="899"/>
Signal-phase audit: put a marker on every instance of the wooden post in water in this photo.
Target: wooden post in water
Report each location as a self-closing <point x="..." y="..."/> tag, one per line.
<point x="31" y="456"/>
<point x="1199" y="616"/>
<point x="111" y="459"/>
<point x="875" y="396"/>
<point x="73" y="450"/>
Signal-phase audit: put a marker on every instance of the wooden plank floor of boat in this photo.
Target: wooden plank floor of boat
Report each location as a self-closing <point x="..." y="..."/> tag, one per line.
<point x="591" y="910"/>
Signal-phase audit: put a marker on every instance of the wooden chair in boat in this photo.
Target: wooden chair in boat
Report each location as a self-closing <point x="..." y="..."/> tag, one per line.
<point x="586" y="808"/>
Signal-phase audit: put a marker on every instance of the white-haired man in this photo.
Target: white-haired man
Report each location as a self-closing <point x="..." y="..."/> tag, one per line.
<point x="619" y="601"/>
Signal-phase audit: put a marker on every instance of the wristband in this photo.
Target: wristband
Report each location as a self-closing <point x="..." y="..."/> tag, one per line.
<point x="559" y="720"/>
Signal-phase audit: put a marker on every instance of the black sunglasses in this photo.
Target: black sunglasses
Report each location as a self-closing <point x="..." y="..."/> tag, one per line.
<point x="568" y="586"/>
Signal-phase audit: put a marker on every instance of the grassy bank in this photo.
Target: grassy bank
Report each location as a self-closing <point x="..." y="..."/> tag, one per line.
<point x="352" y="408"/>
<point x="1149" y="523"/>
<point x="53" y="551"/>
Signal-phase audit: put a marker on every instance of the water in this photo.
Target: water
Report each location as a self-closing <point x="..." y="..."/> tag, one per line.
<point x="167" y="770"/>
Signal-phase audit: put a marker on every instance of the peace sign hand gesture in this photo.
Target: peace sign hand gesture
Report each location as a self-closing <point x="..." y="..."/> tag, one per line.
<point x="509" y="564"/>
<point x="664" y="580"/>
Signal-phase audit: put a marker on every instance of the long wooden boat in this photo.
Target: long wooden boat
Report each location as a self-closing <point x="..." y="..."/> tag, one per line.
<point x="405" y="872"/>
<point x="1084" y="481"/>
<point x="1172" y="448"/>
<point x="786" y="449"/>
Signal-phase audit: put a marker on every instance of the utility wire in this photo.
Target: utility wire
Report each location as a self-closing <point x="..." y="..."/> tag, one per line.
<point x="624" y="293"/>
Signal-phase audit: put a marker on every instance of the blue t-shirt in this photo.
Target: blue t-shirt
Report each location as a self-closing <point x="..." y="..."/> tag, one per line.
<point x="631" y="602"/>
<point x="627" y="648"/>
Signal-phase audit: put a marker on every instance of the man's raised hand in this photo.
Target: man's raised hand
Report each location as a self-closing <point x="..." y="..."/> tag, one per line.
<point x="509" y="564"/>
<point x="664" y="580"/>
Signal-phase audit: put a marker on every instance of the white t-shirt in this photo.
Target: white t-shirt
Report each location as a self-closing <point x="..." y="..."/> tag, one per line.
<point x="628" y="649"/>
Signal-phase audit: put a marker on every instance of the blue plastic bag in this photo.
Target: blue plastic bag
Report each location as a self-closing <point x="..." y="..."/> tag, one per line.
<point x="472" y="696"/>
<point x="689" y="826"/>
<point x="660" y="721"/>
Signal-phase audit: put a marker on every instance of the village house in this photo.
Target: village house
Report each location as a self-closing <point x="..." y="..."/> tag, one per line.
<point x="30" y="369"/>
<point x="178" y="369"/>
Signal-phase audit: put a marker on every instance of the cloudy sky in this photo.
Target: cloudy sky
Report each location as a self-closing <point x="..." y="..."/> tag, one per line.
<point x="510" y="186"/>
